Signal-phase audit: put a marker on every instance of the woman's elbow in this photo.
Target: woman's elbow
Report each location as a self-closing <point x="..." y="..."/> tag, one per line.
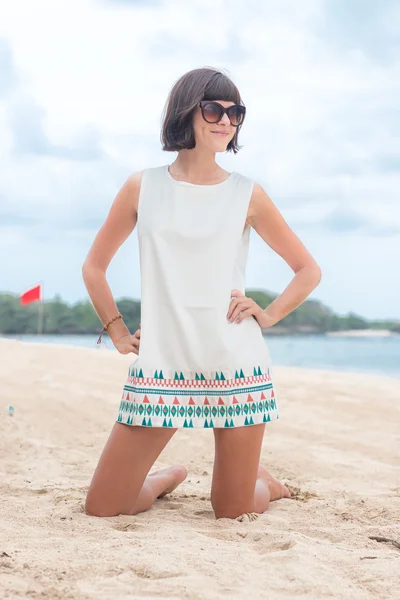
<point x="85" y="269"/>
<point x="88" y="269"/>
<point x="317" y="274"/>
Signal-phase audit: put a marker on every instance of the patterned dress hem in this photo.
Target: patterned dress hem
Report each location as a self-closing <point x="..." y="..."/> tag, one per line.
<point x="184" y="424"/>
<point x="198" y="403"/>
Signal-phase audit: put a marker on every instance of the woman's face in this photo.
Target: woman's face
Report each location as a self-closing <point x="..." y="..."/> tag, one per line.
<point x="213" y="136"/>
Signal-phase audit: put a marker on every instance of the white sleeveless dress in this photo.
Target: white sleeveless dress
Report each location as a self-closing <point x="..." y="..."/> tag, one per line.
<point x="195" y="368"/>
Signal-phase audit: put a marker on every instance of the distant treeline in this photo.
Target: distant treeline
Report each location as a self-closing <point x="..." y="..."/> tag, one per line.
<point x="61" y="318"/>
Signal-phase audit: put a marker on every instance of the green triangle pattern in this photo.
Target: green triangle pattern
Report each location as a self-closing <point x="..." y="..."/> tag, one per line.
<point x="145" y="402"/>
<point x="219" y="376"/>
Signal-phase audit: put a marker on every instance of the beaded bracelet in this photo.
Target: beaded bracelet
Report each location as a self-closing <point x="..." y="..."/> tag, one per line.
<point x="105" y="327"/>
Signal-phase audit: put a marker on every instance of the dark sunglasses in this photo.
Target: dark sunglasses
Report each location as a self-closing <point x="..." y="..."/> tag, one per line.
<point x="213" y="112"/>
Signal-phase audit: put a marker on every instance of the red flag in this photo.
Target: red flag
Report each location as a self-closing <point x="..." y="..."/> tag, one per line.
<point x="32" y="295"/>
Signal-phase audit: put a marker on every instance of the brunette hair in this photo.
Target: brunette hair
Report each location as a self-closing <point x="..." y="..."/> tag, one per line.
<point x="205" y="83"/>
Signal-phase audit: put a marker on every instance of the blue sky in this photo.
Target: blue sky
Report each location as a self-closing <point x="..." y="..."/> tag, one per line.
<point x="82" y="88"/>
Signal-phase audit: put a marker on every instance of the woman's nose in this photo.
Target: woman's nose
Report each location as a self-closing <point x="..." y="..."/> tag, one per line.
<point x="224" y="119"/>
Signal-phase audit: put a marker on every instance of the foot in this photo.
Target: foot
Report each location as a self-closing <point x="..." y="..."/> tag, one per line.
<point x="169" y="478"/>
<point x="276" y="489"/>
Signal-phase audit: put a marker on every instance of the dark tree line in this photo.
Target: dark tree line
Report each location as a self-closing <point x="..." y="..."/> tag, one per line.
<point x="80" y="318"/>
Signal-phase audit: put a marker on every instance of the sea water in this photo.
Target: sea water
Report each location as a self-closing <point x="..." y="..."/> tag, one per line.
<point x="362" y="354"/>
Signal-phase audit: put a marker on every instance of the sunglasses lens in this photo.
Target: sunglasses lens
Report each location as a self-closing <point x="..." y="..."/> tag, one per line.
<point x="236" y="115"/>
<point x="212" y="112"/>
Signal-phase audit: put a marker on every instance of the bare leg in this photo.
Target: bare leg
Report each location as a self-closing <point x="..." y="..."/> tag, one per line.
<point x="239" y="484"/>
<point x="157" y="485"/>
<point x="119" y="484"/>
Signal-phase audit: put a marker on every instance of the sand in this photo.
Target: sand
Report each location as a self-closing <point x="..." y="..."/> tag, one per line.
<point x="336" y="444"/>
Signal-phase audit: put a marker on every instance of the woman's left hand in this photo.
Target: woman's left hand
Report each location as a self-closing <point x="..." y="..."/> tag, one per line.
<point x="242" y="307"/>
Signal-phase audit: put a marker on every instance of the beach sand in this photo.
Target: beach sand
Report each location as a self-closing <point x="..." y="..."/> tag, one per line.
<point x="336" y="445"/>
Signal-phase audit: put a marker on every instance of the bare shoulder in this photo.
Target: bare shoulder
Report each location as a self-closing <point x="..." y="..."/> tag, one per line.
<point x="271" y="226"/>
<point x="259" y="201"/>
<point x="132" y="184"/>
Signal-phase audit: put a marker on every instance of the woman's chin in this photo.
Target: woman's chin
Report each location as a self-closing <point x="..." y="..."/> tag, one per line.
<point x="221" y="146"/>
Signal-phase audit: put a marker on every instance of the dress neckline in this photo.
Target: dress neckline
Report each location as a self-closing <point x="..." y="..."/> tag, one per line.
<point x="198" y="185"/>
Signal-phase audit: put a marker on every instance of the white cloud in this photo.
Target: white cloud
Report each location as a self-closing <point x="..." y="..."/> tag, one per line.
<point x="82" y="88"/>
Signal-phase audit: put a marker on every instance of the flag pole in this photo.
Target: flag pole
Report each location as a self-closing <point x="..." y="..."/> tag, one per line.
<point x="41" y="303"/>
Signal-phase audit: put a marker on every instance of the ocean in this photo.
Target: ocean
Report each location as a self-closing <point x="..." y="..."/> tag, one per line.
<point x="367" y="355"/>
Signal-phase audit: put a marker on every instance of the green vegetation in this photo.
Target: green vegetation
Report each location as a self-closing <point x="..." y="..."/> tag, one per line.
<point x="314" y="317"/>
<point x="61" y="318"/>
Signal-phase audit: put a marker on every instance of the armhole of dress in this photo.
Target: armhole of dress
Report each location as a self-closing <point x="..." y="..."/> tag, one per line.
<point x="141" y="193"/>
<point x="246" y="225"/>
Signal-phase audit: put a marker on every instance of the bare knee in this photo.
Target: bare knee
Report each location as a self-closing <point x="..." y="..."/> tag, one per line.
<point x="226" y="514"/>
<point x="231" y="510"/>
<point x="94" y="507"/>
<point x="229" y="513"/>
<point x="237" y="456"/>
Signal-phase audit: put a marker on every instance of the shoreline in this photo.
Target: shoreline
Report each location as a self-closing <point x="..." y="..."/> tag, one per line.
<point x="103" y="350"/>
<point x="373" y="333"/>
<point x="272" y="331"/>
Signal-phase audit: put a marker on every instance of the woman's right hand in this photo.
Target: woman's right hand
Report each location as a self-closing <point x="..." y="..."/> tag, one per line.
<point x="129" y="343"/>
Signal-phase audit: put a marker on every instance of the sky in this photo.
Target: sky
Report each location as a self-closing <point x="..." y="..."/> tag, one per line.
<point x="82" y="87"/>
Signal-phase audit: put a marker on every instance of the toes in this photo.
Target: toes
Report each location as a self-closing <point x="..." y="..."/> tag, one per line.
<point x="180" y="471"/>
<point x="177" y="474"/>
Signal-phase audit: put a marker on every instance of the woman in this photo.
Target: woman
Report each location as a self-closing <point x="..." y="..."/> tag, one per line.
<point x="202" y="360"/>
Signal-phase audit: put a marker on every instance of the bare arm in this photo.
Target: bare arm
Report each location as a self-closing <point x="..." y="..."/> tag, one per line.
<point x="119" y="224"/>
<point x="266" y="219"/>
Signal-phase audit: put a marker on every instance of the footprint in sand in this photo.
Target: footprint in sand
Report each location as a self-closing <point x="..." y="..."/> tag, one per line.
<point x="41" y="491"/>
<point x="225" y="536"/>
<point x="172" y="505"/>
<point x="126" y="527"/>
<point x="270" y="547"/>
<point x="145" y="572"/>
<point x="261" y="543"/>
<point x="209" y="514"/>
<point x="68" y="495"/>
